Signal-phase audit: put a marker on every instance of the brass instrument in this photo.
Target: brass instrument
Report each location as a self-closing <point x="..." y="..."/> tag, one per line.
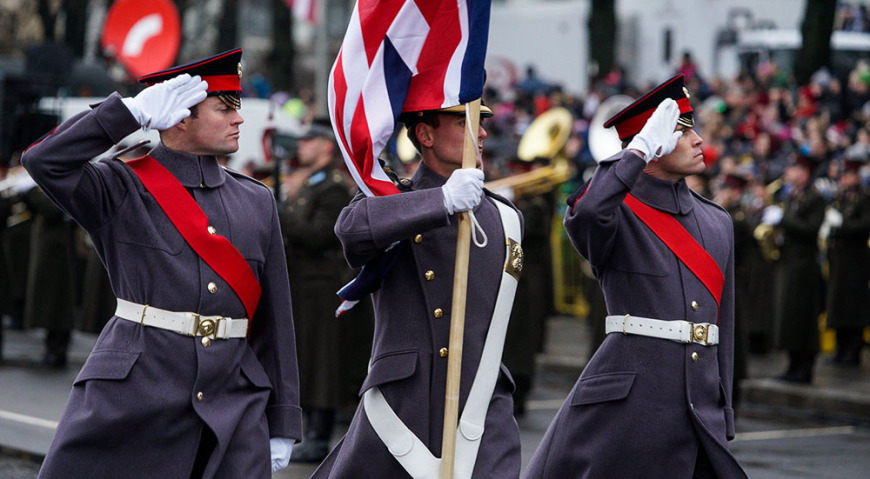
<point x="545" y="137"/>
<point x="768" y="235"/>
<point x="605" y="142"/>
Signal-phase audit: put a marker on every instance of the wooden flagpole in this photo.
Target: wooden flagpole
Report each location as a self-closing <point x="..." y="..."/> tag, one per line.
<point x="457" y="308"/>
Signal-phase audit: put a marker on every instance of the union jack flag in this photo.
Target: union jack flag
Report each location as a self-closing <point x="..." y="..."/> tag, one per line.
<point x="402" y="55"/>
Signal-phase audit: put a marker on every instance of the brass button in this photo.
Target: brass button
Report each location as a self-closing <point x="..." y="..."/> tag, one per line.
<point x="212" y="287"/>
<point x="301" y="201"/>
<point x="418" y="239"/>
<point x="694" y="305"/>
<point x="211" y="230"/>
<point x="206" y="342"/>
<point x="430" y="275"/>
<point x="443" y="352"/>
<point x="405" y="181"/>
<point x="694" y="357"/>
<point x="200" y="396"/>
<point x="438" y="312"/>
<point x="202" y="185"/>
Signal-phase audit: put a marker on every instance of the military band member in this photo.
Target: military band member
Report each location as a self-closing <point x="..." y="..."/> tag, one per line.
<point x="316" y="193"/>
<point x="195" y="375"/>
<point x="848" y="298"/>
<point x="654" y="401"/>
<point x="798" y="283"/>
<point x="397" y="429"/>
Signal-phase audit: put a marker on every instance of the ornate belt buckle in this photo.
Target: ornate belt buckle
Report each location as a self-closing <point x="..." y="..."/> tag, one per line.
<point x="699" y="333"/>
<point x="204" y="327"/>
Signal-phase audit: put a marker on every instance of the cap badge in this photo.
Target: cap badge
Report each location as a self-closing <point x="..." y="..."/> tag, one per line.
<point x="239" y="68"/>
<point x="685" y="90"/>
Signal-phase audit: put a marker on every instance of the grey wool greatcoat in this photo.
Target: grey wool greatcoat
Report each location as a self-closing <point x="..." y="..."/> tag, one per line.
<point x="643" y="406"/>
<point x="406" y="362"/>
<point x="135" y="410"/>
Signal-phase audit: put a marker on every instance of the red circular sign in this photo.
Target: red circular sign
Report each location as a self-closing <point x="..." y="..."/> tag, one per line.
<point x="143" y="36"/>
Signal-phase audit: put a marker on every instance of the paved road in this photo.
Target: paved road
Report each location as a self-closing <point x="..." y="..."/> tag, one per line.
<point x="772" y="443"/>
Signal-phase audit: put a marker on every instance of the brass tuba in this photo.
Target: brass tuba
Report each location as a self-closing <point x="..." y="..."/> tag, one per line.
<point x="768" y="235"/>
<point x="545" y="137"/>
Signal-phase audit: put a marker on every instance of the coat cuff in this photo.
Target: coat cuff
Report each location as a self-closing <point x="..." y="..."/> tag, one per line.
<point x="285" y="421"/>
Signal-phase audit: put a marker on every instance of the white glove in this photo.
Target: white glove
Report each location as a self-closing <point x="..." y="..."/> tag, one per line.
<point x="163" y="105"/>
<point x="463" y="190"/>
<point x="772" y="215"/>
<point x="281" y="449"/>
<point x="833" y="218"/>
<point x="657" y="137"/>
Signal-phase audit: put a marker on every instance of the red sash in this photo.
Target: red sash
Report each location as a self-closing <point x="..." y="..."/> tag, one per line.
<point x="189" y="219"/>
<point x="682" y="244"/>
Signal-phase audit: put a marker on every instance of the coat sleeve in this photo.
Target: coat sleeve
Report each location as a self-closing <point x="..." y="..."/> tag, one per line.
<point x="274" y="342"/>
<point x="591" y="222"/>
<point x="60" y="162"/>
<point x="369" y="225"/>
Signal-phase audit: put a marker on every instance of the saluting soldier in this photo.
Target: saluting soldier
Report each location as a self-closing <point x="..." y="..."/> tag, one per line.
<point x="397" y="429"/>
<point x="654" y="401"/>
<point x="798" y="284"/>
<point x="316" y="193"/>
<point x="848" y="297"/>
<point x="195" y="374"/>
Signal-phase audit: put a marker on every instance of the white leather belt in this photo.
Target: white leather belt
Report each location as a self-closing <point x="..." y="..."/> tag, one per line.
<point x="186" y="324"/>
<point x="680" y="331"/>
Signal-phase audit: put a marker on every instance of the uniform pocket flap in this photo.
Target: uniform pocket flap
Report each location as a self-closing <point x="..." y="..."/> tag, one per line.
<point x="111" y="365"/>
<point x="390" y="367"/>
<point x="602" y="388"/>
<point x="253" y="370"/>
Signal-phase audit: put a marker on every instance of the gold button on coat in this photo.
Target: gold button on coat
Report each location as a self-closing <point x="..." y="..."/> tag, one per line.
<point x="418" y="239"/>
<point x="695" y="357"/>
<point x="443" y="352"/>
<point x="212" y="288"/>
<point x="211" y="230"/>
<point x="206" y="342"/>
<point x="200" y="396"/>
<point x="694" y="305"/>
<point x="430" y="275"/>
<point x="438" y="312"/>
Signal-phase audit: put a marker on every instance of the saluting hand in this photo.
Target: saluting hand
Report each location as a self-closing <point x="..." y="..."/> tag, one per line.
<point x="163" y="105"/>
<point x="657" y="138"/>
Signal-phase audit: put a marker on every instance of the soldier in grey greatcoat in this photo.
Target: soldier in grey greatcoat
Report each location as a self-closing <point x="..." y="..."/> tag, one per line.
<point x="397" y="429"/>
<point x="316" y="193"/>
<point x="654" y="401"/>
<point x="195" y="375"/>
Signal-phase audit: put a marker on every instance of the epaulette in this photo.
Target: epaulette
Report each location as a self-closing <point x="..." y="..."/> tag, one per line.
<point x="403" y="184"/>
<point x="119" y="154"/>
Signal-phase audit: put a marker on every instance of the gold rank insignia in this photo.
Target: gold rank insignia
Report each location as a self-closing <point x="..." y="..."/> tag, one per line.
<point x="514" y="264"/>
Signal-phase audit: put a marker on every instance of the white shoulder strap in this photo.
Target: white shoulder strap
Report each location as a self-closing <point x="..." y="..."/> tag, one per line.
<point x="405" y="446"/>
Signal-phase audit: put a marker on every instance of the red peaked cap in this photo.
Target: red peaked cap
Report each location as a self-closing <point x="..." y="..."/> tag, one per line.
<point x="632" y="118"/>
<point x="223" y="72"/>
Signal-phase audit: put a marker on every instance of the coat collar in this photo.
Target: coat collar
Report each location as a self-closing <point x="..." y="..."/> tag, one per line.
<point x="673" y="198"/>
<point x="425" y="178"/>
<point x="193" y="171"/>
